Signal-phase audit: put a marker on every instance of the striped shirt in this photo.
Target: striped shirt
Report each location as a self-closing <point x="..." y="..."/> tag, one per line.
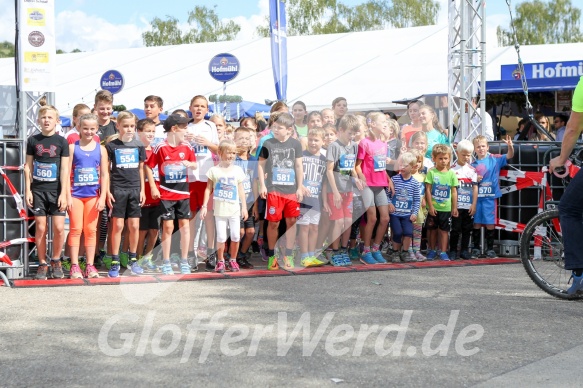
<point x="407" y="197"/>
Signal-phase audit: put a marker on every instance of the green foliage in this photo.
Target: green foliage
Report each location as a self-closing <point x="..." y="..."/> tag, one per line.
<point x="540" y="22"/>
<point x="205" y="26"/>
<point x="119" y="108"/>
<point x="222" y="98"/>
<point x="313" y="17"/>
<point x="6" y="49"/>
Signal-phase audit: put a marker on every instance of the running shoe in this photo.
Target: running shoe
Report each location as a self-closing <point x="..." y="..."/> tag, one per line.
<point x="490" y="254"/>
<point x="453" y="255"/>
<point x="378" y="257"/>
<point x="243" y="262"/>
<point x="91" y="272"/>
<point x="147" y="263"/>
<point x="220" y="267"/>
<point x="184" y="267"/>
<point x="475" y="253"/>
<point x="272" y="263"/>
<point x="337" y="260"/>
<point x="107" y="259"/>
<point x="234" y="266"/>
<point x="41" y="272"/>
<point x="346" y="258"/>
<point x="395" y="257"/>
<point x="576" y="285"/>
<point x="113" y="270"/>
<point x="444" y="257"/>
<point x="57" y="269"/>
<point x="465" y="255"/>
<point x="124" y="259"/>
<point x="167" y="268"/>
<point x="419" y="256"/>
<point x="407" y="257"/>
<point x="193" y="262"/>
<point x="211" y="262"/>
<point x="366" y="258"/>
<point x="354" y="253"/>
<point x="135" y="268"/>
<point x="431" y="255"/>
<point x="75" y="272"/>
<point x="288" y="262"/>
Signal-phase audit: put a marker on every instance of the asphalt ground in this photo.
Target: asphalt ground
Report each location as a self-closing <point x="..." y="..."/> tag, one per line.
<point x="453" y="326"/>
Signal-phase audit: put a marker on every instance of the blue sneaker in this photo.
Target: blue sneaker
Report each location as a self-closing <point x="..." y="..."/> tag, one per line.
<point x="378" y="257"/>
<point x="135" y="268"/>
<point x="184" y="267"/>
<point x="337" y="260"/>
<point x="113" y="270"/>
<point x="147" y="263"/>
<point x="167" y="269"/>
<point x="444" y="257"/>
<point x="366" y="258"/>
<point x="175" y="260"/>
<point x="431" y="255"/>
<point x="346" y="257"/>
<point x="576" y="285"/>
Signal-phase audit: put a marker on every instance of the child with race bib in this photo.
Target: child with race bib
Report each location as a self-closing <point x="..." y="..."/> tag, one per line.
<point x="89" y="182"/>
<point x="418" y="224"/>
<point x="46" y="174"/>
<point x="488" y="167"/>
<point x="404" y="207"/>
<point x="281" y="174"/>
<point x="314" y="164"/>
<point x="467" y="198"/>
<point x="441" y="194"/>
<point x="341" y="160"/>
<point x="172" y="157"/>
<point x="225" y="182"/>
<point x="371" y="163"/>
<point x="126" y="156"/>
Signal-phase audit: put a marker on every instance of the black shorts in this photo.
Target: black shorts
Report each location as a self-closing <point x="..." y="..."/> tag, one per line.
<point x="250" y="222"/>
<point x="442" y="221"/>
<point x="175" y="210"/>
<point x="150" y="218"/>
<point x="46" y="203"/>
<point x="127" y="203"/>
<point x="261" y="205"/>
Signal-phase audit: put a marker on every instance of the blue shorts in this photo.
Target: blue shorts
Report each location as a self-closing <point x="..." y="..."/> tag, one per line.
<point x="485" y="211"/>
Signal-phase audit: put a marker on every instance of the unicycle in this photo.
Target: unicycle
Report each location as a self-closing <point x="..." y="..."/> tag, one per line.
<point x="542" y="252"/>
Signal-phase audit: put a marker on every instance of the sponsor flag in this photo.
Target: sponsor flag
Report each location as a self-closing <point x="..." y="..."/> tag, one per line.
<point x="36" y="45"/>
<point x="278" y="31"/>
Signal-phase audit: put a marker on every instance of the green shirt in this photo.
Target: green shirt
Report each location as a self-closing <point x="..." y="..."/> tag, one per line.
<point x="441" y="184"/>
<point x="578" y="97"/>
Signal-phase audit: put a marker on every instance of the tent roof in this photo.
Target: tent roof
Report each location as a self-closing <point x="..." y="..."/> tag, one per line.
<point x="370" y="69"/>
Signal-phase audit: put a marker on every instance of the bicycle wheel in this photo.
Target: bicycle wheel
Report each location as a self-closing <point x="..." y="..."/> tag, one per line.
<point x="541" y="252"/>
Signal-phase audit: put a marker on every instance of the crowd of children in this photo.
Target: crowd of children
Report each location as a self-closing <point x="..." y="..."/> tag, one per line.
<point x="308" y="182"/>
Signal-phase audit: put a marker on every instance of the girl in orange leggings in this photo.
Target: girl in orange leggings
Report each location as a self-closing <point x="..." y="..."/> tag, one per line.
<point x="86" y="197"/>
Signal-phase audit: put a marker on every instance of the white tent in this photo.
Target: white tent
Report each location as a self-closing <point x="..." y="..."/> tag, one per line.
<point x="370" y="69"/>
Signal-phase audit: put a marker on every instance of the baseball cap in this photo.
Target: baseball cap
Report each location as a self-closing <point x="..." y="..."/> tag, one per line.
<point x="173" y="120"/>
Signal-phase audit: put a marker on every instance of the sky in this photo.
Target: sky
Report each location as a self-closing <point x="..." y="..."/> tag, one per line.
<point x="93" y="25"/>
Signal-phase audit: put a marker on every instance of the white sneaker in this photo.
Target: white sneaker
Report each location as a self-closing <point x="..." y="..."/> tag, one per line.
<point x="419" y="256"/>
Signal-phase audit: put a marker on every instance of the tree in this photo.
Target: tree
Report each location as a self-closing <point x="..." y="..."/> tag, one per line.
<point x="6" y="49"/>
<point x="538" y="22"/>
<point x="205" y="26"/>
<point x="312" y="17"/>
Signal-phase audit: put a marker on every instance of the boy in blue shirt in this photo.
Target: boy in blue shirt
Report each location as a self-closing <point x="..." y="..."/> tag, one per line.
<point x="488" y="167"/>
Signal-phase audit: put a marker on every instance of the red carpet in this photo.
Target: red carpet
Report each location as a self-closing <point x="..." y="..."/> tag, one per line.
<point x="257" y="272"/>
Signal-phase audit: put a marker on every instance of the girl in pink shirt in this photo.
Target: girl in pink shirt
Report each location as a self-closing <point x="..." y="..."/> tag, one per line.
<point x="371" y="164"/>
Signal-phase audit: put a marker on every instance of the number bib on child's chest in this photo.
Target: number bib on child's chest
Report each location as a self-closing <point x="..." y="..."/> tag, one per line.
<point x="380" y="162"/>
<point x="346" y="163"/>
<point x="313" y="187"/>
<point x="46" y="172"/>
<point x="440" y="192"/>
<point x="464" y="196"/>
<point x="85" y="176"/>
<point x="200" y="150"/>
<point x="247" y="183"/>
<point x="127" y="158"/>
<point x="175" y="173"/>
<point x="485" y="190"/>
<point x="225" y="192"/>
<point x="283" y="176"/>
<point x="403" y="204"/>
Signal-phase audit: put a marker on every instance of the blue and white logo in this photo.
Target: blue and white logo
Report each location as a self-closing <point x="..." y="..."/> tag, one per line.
<point x="224" y="67"/>
<point x="112" y="80"/>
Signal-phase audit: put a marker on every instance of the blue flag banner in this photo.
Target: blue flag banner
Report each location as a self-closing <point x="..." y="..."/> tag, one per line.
<point x="278" y="31"/>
